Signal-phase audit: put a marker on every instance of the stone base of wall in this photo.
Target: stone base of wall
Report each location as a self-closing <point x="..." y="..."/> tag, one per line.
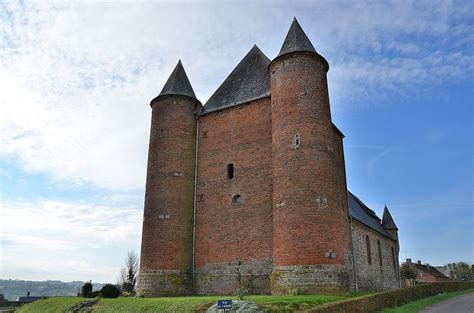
<point x="310" y="279"/>
<point x="160" y="283"/>
<point x="222" y="278"/>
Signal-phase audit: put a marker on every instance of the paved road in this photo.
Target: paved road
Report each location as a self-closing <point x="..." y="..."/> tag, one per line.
<point x="460" y="304"/>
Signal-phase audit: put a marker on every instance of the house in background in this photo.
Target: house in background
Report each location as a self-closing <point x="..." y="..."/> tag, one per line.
<point x="428" y="273"/>
<point x="28" y="298"/>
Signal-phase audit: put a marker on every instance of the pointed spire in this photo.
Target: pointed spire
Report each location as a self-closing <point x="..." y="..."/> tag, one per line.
<point x="387" y="220"/>
<point x="178" y="83"/>
<point x="296" y="40"/>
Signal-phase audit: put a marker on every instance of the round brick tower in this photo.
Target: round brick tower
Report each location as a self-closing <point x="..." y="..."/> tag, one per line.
<point x="166" y="251"/>
<point x="311" y="242"/>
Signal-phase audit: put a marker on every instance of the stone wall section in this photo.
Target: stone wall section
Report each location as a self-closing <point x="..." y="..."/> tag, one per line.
<point x="374" y="276"/>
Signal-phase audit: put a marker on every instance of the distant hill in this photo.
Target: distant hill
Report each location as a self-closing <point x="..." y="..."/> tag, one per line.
<point x="12" y="288"/>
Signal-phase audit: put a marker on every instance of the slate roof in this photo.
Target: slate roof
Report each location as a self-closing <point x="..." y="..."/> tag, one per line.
<point x="27" y="298"/>
<point x="296" y="40"/>
<point x="178" y="83"/>
<point x="428" y="269"/>
<point x="387" y="220"/>
<point x="248" y="81"/>
<point x="360" y="212"/>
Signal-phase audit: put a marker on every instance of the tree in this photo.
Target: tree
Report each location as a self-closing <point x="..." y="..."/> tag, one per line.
<point x="86" y="288"/>
<point x="408" y="271"/>
<point x="110" y="291"/>
<point x="460" y="271"/>
<point x="129" y="273"/>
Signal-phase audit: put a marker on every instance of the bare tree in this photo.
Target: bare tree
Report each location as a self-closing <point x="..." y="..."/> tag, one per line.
<point x="129" y="273"/>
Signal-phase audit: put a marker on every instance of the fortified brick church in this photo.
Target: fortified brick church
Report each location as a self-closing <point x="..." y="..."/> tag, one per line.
<point x="252" y="185"/>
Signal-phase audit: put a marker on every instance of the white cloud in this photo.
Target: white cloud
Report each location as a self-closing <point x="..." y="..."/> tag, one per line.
<point x="77" y="77"/>
<point x="66" y="240"/>
<point x="77" y="224"/>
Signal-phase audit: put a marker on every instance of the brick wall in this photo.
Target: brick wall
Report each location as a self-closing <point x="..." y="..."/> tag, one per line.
<point x="281" y="220"/>
<point x="166" y="253"/>
<point x="376" y="275"/>
<point x="234" y="235"/>
<point x="310" y="217"/>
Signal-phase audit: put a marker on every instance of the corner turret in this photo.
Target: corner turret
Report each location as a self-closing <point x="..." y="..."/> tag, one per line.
<point x="177" y="85"/>
<point x="388" y="224"/>
<point x="297" y="41"/>
<point x="310" y="216"/>
<point x="167" y="238"/>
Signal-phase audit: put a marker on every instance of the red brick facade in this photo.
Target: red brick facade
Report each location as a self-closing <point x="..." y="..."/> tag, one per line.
<point x="168" y="214"/>
<point x="268" y="203"/>
<point x="309" y="183"/>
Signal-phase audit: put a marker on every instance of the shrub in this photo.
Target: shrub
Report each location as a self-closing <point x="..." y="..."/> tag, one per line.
<point x="377" y="302"/>
<point x="110" y="291"/>
<point x="93" y="294"/>
<point x="86" y="288"/>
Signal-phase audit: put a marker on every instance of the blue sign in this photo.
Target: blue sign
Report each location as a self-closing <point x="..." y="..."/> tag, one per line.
<point x="224" y="304"/>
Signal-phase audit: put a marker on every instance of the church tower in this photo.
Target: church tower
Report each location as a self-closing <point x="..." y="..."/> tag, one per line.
<point x="311" y="242"/>
<point x="167" y="239"/>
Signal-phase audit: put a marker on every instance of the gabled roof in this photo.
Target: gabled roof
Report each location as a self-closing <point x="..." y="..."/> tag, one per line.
<point x="429" y="270"/>
<point x="178" y="83"/>
<point x="248" y="81"/>
<point x="296" y="40"/>
<point x="360" y="212"/>
<point x="387" y="220"/>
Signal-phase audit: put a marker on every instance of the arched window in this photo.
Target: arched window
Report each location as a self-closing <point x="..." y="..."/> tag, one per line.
<point x="380" y="252"/>
<point x="393" y="259"/>
<point x="237" y="199"/>
<point x="369" y="254"/>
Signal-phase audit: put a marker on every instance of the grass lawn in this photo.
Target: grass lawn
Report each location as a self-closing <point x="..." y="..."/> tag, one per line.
<point x="417" y="306"/>
<point x="56" y="305"/>
<point x="180" y="304"/>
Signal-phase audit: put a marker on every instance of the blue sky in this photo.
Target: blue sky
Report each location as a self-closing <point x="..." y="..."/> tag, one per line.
<point x="76" y="80"/>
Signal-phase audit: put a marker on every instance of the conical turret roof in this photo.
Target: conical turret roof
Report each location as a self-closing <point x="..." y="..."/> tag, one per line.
<point x="248" y="81"/>
<point x="387" y="220"/>
<point x="296" y="40"/>
<point x="178" y="83"/>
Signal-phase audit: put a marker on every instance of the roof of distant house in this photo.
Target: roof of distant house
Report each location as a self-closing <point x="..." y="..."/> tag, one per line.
<point x="27" y="298"/>
<point x="429" y="269"/>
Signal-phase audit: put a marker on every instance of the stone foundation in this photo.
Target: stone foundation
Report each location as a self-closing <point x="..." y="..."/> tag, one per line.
<point x="310" y="279"/>
<point x="162" y="283"/>
<point x="222" y="278"/>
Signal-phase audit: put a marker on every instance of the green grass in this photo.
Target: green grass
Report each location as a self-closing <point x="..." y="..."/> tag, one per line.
<point x="417" y="306"/>
<point x="56" y="305"/>
<point x="180" y="304"/>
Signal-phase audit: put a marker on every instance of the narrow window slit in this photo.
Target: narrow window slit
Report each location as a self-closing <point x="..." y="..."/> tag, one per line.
<point x="296" y="141"/>
<point x="230" y="171"/>
<point x="367" y="245"/>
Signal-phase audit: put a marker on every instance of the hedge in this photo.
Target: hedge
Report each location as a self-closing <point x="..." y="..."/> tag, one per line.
<point x="387" y="299"/>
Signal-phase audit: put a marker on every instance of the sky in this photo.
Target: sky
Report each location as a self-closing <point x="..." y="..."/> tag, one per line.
<point x="76" y="79"/>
